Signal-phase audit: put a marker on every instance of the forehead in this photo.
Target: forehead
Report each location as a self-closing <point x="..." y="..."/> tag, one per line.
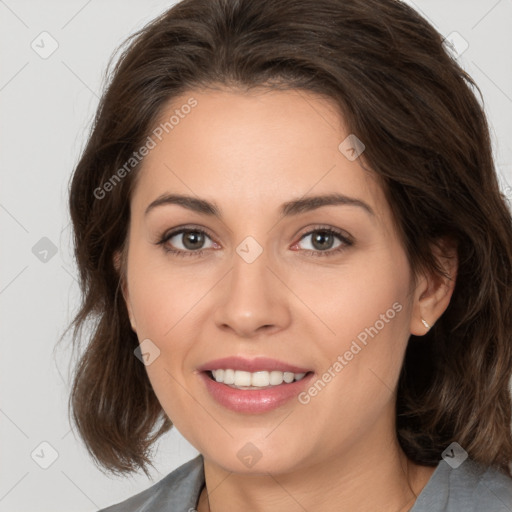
<point x="251" y="150"/>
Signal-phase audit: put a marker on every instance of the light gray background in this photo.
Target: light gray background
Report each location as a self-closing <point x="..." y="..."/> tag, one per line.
<point x="46" y="109"/>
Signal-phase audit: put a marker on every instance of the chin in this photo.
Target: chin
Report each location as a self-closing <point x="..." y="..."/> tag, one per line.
<point x="254" y="459"/>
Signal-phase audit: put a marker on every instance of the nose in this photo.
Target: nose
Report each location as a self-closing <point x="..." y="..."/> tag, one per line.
<point x="252" y="299"/>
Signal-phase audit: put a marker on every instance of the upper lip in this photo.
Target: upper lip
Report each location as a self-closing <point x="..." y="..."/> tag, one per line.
<point x="251" y="365"/>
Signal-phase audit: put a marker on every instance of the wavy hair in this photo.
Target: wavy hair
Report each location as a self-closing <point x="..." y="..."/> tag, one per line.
<point x="427" y="139"/>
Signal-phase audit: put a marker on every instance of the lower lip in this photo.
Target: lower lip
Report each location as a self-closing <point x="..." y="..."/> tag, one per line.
<point x="257" y="400"/>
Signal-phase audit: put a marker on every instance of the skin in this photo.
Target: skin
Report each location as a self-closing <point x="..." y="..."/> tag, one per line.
<point x="250" y="153"/>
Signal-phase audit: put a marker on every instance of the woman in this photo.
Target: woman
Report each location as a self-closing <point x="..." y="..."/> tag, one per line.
<point x="292" y="241"/>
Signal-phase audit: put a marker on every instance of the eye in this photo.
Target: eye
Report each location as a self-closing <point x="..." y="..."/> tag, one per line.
<point x="186" y="242"/>
<point x="323" y="241"/>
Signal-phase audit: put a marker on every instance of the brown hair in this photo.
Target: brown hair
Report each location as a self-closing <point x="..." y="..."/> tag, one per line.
<point x="426" y="137"/>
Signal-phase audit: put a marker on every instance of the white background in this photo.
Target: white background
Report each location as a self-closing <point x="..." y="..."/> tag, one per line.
<point x="46" y="109"/>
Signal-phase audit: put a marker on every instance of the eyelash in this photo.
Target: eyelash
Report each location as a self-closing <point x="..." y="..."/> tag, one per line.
<point x="346" y="242"/>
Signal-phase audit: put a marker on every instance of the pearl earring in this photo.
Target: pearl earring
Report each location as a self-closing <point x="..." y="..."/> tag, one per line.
<point x="425" y="323"/>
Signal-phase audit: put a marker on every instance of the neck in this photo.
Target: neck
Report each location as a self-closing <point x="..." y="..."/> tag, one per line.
<point x="370" y="476"/>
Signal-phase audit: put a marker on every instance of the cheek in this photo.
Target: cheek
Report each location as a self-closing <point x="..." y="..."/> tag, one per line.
<point x="368" y="308"/>
<point x="166" y="299"/>
<point x="163" y="306"/>
<point x="162" y="294"/>
<point x="368" y="298"/>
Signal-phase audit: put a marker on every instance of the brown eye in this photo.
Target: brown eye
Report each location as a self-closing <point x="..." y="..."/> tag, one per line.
<point x="192" y="240"/>
<point x="186" y="242"/>
<point x="323" y="240"/>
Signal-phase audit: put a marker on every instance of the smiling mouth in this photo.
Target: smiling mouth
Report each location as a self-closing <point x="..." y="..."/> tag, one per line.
<point x="239" y="379"/>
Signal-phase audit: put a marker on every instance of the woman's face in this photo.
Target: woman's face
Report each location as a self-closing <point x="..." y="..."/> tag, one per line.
<point x="266" y="285"/>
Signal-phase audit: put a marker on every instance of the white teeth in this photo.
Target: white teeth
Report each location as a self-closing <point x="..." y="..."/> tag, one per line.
<point x="260" y="379"/>
<point x="288" y="377"/>
<point x="242" y="378"/>
<point x="251" y="380"/>
<point x="276" y="378"/>
<point x="229" y="377"/>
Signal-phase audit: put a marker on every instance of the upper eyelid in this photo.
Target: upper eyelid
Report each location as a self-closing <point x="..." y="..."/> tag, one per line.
<point x="180" y="230"/>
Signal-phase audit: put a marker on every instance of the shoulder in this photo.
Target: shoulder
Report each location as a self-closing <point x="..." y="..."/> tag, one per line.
<point x="470" y="487"/>
<point x="178" y="490"/>
<point x="493" y="489"/>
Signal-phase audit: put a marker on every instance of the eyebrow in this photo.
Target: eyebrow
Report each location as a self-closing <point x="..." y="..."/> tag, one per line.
<point x="289" y="208"/>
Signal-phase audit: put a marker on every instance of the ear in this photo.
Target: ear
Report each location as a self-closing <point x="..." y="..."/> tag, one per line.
<point x="118" y="265"/>
<point x="433" y="292"/>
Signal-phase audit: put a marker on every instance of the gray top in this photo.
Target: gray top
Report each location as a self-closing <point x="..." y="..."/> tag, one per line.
<point x="470" y="487"/>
